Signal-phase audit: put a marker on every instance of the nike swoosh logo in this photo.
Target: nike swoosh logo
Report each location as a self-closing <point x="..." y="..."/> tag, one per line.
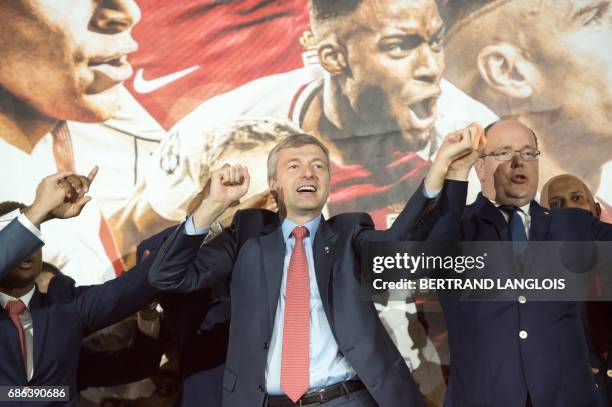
<point x="141" y="85"/>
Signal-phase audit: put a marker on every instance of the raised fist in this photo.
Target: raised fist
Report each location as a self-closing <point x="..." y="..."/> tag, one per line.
<point x="229" y="184"/>
<point x="456" y="156"/>
<point x="460" y="150"/>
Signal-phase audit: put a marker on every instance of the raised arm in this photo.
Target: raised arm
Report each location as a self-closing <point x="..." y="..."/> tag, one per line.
<point x="428" y="204"/>
<point x="60" y="195"/>
<point x="105" y="304"/>
<point x="183" y="263"/>
<point x="602" y="230"/>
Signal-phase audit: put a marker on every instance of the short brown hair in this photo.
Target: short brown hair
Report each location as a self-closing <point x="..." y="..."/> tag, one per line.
<point x="8" y="207"/>
<point x="294" y="141"/>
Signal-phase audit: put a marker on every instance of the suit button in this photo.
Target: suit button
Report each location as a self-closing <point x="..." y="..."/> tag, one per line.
<point x="609" y="372"/>
<point x="260" y="388"/>
<point x="522" y="299"/>
<point x="523" y="334"/>
<point x="266" y="345"/>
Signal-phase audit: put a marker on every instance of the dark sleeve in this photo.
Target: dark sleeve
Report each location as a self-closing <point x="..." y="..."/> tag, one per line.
<point x="449" y="211"/>
<point x="16" y="244"/>
<point x="413" y="223"/>
<point x="103" y="305"/>
<point x="154" y="242"/>
<point x="101" y="368"/>
<point x="63" y="289"/>
<point x="183" y="264"/>
<point x="602" y="230"/>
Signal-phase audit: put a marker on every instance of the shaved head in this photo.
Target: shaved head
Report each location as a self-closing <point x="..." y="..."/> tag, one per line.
<point x="568" y="191"/>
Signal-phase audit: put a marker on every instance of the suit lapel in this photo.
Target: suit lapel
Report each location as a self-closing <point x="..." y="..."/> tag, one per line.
<point x="273" y="249"/>
<point x="39" y="320"/>
<point x="540" y="223"/>
<point x="323" y="252"/>
<point x="491" y="215"/>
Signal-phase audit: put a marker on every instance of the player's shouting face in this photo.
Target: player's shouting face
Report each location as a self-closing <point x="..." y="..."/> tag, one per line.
<point x="65" y="59"/>
<point x="393" y="62"/>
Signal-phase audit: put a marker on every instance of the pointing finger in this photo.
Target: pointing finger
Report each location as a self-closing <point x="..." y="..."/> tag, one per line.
<point x="92" y="174"/>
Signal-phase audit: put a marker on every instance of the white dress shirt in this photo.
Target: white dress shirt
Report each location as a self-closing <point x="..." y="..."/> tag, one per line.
<point x="327" y="364"/>
<point x="26" y="323"/>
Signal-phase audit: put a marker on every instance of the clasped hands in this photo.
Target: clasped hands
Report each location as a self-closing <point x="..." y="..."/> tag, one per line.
<point x="456" y="156"/>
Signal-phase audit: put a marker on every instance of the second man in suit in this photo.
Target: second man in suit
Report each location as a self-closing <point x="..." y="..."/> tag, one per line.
<point x="521" y="352"/>
<point x="300" y="333"/>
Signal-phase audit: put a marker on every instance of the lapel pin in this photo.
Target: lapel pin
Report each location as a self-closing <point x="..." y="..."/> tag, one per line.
<point x="326" y="249"/>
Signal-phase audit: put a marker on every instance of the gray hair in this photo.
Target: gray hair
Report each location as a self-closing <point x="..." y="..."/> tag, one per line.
<point x="294" y="141"/>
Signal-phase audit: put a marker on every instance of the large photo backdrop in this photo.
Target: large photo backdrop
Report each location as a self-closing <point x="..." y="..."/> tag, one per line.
<point x="159" y="94"/>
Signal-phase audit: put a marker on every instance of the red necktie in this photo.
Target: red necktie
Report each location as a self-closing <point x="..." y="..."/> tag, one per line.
<point x="295" y="360"/>
<point x="14" y="309"/>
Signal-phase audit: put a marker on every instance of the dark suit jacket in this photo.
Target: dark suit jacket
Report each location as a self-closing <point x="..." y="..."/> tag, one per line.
<point x="490" y="365"/>
<point x="16" y="244"/>
<point x="250" y="254"/>
<point x="106" y="367"/>
<point x="197" y="324"/>
<point x="60" y="326"/>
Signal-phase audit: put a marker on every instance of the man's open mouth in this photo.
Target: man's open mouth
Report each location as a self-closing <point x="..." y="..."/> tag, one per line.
<point x="423" y="112"/>
<point x="519" y="179"/>
<point x="424" y="108"/>
<point x="307" y="189"/>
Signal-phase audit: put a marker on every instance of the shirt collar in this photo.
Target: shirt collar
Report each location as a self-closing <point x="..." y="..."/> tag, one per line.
<point x="524" y="208"/>
<point x="312" y="226"/>
<point x="4" y="298"/>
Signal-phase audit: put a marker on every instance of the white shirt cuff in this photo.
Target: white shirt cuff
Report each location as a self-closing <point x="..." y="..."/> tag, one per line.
<point x="30" y="226"/>
<point x="190" y="228"/>
<point x="432" y="194"/>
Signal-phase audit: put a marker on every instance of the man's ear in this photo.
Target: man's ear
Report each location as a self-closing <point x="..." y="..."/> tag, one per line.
<point x="479" y="167"/>
<point x="505" y="69"/>
<point x="597" y="210"/>
<point x="332" y="57"/>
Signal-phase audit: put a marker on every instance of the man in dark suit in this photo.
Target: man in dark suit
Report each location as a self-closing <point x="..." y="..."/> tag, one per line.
<point x="520" y="352"/>
<point x="300" y="333"/>
<point x="40" y="338"/>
